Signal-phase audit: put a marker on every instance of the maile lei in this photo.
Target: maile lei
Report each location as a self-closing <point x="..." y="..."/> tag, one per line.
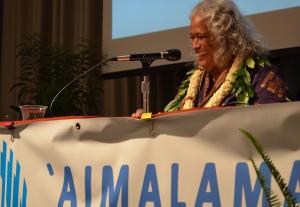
<point x="237" y="81"/>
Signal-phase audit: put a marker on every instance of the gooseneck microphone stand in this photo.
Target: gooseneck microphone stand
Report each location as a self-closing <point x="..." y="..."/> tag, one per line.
<point x="146" y="60"/>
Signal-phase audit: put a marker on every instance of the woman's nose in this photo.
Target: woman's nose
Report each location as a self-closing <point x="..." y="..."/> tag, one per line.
<point x="195" y="43"/>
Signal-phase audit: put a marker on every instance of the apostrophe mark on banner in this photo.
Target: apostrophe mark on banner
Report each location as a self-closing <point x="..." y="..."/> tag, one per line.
<point x="50" y="169"/>
<point x="11" y="180"/>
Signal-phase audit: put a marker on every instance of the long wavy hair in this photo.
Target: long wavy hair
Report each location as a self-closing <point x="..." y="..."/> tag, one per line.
<point x="233" y="33"/>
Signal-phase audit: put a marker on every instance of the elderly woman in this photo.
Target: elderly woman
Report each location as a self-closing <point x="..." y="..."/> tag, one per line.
<point x="231" y="68"/>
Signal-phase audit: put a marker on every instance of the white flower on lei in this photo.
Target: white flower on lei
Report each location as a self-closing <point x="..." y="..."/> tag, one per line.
<point x="221" y="92"/>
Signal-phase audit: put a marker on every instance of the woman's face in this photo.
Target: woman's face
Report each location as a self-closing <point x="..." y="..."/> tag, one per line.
<point x="202" y="43"/>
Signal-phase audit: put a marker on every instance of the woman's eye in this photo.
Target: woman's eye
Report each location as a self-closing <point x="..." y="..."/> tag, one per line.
<point x="202" y="36"/>
<point x="199" y="36"/>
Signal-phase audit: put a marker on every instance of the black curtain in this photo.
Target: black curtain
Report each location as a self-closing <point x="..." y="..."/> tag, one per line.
<point x="63" y="23"/>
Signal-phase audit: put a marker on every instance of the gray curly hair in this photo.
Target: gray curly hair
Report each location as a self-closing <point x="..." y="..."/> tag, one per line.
<point x="233" y="32"/>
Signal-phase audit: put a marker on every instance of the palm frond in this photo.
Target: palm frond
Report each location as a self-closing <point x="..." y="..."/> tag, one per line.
<point x="45" y="69"/>
<point x="289" y="197"/>
<point x="271" y="197"/>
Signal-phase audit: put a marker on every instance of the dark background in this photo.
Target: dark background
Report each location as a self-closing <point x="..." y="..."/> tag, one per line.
<point x="164" y="80"/>
<point x="66" y="22"/>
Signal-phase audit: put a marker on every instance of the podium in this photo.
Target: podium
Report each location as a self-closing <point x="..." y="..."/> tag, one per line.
<point x="188" y="158"/>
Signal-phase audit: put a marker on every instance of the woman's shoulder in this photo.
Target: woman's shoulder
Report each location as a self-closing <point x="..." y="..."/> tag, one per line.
<point x="267" y="82"/>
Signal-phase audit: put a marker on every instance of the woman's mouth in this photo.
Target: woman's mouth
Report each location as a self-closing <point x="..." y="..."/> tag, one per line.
<point x="201" y="53"/>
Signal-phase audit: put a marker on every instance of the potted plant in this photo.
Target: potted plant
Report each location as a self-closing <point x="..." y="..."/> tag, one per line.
<point x="46" y="69"/>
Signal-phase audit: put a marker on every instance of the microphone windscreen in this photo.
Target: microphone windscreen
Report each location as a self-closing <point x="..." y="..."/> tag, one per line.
<point x="172" y="54"/>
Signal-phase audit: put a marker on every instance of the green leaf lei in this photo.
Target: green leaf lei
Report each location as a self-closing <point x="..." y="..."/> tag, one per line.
<point x="242" y="88"/>
<point x="174" y="105"/>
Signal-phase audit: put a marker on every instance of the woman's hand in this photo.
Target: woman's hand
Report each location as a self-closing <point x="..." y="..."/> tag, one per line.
<point x="138" y="113"/>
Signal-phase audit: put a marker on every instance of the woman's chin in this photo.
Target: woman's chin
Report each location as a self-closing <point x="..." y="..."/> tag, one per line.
<point x="203" y="64"/>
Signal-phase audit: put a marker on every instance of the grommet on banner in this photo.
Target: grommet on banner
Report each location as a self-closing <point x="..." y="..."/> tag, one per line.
<point x="77" y="125"/>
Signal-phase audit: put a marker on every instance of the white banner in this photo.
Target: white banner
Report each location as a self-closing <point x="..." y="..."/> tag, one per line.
<point x="195" y="158"/>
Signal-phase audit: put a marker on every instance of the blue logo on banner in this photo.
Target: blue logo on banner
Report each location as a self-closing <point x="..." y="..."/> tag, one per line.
<point x="10" y="194"/>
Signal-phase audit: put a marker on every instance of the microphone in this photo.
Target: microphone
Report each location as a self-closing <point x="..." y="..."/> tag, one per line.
<point x="171" y="55"/>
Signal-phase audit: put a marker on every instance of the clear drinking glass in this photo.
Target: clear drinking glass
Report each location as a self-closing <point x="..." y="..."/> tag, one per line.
<point x="33" y="111"/>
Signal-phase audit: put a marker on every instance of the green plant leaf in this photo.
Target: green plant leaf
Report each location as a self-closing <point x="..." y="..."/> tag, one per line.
<point x="238" y="91"/>
<point x="174" y="105"/>
<point x="271" y="197"/>
<point x="247" y="78"/>
<point x="250" y="63"/>
<point x="261" y="62"/>
<point x="267" y="62"/>
<point x="250" y="92"/>
<point x="45" y="69"/>
<point x="289" y="197"/>
<point x="190" y="72"/>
